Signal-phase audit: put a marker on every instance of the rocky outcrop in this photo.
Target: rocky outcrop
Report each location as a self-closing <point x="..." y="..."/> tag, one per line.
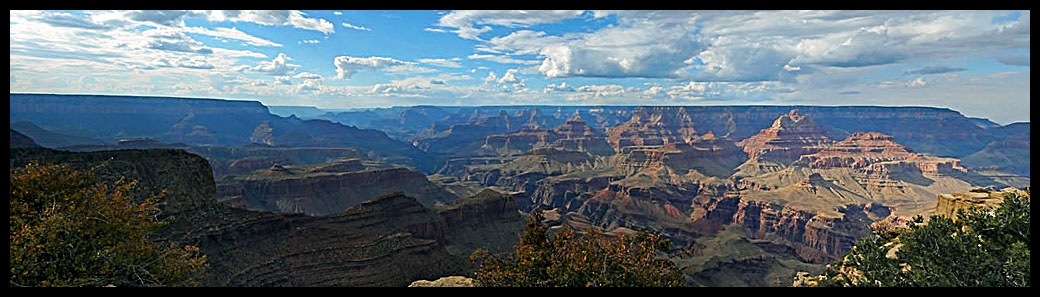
<point x="257" y="156"/>
<point x="324" y="190"/>
<point x="980" y="198"/>
<point x="576" y="135"/>
<point x="389" y="241"/>
<point x="460" y="137"/>
<point x="708" y="154"/>
<point x="791" y="136"/>
<point x="488" y="220"/>
<point x="448" y="281"/>
<point x="247" y="165"/>
<point x="815" y="237"/>
<point x="652" y="126"/>
<point x="859" y="150"/>
<point x="518" y="142"/>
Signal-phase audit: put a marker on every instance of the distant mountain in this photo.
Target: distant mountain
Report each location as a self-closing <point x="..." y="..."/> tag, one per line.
<point x="304" y="112"/>
<point x="196" y="122"/>
<point x="51" y="139"/>
<point x="984" y="123"/>
<point x="20" y="140"/>
<point x="1008" y="153"/>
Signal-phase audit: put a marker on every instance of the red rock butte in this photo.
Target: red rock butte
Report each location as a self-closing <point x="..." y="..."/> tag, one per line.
<point x="791" y="136"/>
<point x="859" y="150"/>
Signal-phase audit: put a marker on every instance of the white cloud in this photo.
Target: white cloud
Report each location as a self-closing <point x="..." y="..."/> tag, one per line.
<point x="636" y="48"/>
<point x="232" y="33"/>
<point x="466" y="22"/>
<point x="293" y="18"/>
<point x="307" y="75"/>
<point x="347" y="66"/>
<point x="509" y="77"/>
<point x="502" y="59"/>
<point x="913" y="83"/>
<point x="355" y="27"/>
<point x="451" y="63"/>
<point x="279" y="66"/>
<point x="562" y="87"/>
<point x="285" y="80"/>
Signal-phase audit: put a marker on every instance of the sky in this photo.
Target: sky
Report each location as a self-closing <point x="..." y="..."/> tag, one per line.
<point x="974" y="62"/>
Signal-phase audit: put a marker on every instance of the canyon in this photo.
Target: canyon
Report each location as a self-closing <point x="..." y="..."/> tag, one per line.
<point x="755" y="193"/>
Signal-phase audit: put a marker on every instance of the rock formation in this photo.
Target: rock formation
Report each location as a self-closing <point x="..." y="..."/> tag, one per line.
<point x="325" y="188"/>
<point x="448" y="281"/>
<point x="858" y="151"/>
<point x="949" y="203"/>
<point x="652" y="126"/>
<point x="388" y="241"/>
<point x="791" y="136"/>
<point x="576" y="135"/>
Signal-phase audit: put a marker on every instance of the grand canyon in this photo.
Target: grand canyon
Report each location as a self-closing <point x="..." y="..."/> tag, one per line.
<point x="385" y="197"/>
<point x="519" y="148"/>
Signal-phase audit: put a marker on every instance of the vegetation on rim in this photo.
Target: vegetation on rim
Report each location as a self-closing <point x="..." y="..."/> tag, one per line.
<point x="572" y="259"/>
<point x="69" y="229"/>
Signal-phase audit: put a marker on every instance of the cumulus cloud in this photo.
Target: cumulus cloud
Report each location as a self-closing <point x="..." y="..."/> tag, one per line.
<point x="285" y="80"/>
<point x="741" y="46"/>
<point x="294" y="18"/>
<point x="309" y="85"/>
<point x="307" y="75"/>
<point x="562" y="87"/>
<point x="636" y="48"/>
<point x="491" y="77"/>
<point x="279" y="66"/>
<point x="347" y="66"/>
<point x="509" y="77"/>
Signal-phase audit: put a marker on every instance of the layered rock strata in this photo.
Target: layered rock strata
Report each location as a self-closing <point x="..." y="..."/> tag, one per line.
<point x="791" y="136"/>
<point x="980" y="198"/>
<point x="326" y="189"/>
<point x="652" y="126"/>
<point x="389" y="241"/>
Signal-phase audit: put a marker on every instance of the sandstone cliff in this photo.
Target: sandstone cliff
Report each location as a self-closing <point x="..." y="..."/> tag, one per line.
<point x="653" y="126"/>
<point x="948" y="204"/>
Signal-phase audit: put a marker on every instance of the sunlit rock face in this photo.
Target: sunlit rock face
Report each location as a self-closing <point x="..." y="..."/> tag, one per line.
<point x="791" y="136"/>
<point x="653" y="126"/>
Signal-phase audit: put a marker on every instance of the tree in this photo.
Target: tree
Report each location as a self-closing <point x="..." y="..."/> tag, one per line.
<point x="570" y="259"/>
<point x="987" y="248"/>
<point x="69" y="229"/>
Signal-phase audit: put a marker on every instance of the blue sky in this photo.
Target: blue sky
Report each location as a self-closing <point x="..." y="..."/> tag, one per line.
<point x="975" y="62"/>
